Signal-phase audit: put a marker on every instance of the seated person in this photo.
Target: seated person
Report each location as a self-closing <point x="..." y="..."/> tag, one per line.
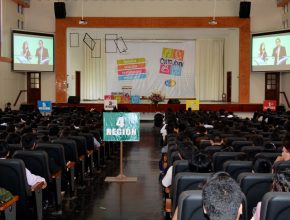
<point x="217" y="140"/>
<point x="31" y="178"/>
<point x="200" y="163"/>
<point x="13" y="138"/>
<point x="286" y="150"/>
<point x="185" y="152"/>
<point x="28" y="142"/>
<point x="222" y="198"/>
<point x="281" y="183"/>
<point x="262" y="165"/>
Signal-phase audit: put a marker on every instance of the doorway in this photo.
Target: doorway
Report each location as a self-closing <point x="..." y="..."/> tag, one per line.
<point x="33" y="87"/>
<point x="272" y="86"/>
<point x="78" y="83"/>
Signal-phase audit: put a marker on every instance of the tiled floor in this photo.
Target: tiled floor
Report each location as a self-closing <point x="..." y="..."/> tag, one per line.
<point x="123" y="201"/>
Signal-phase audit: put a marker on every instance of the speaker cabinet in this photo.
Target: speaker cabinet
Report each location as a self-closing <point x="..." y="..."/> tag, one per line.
<point x="59" y="10"/>
<point x="73" y="100"/>
<point x="245" y="9"/>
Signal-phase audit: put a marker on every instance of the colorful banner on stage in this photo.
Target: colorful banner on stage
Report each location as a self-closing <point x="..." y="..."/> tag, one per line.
<point x="171" y="62"/>
<point x="130" y="69"/>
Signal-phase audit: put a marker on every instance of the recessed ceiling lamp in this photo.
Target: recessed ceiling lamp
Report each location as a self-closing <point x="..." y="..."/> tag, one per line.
<point x="213" y="20"/>
<point x="83" y="21"/>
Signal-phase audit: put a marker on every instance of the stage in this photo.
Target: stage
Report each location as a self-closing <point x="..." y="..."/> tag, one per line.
<point x="231" y="107"/>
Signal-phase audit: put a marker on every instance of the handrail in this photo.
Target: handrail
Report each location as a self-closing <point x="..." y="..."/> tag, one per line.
<point x="286" y="98"/>
<point x="19" y="94"/>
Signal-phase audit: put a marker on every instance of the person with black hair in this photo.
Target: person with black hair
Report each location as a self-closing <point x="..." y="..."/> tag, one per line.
<point x="257" y="140"/>
<point x="286" y="150"/>
<point x="31" y="178"/>
<point x="281" y="183"/>
<point x="262" y="165"/>
<point x="8" y="107"/>
<point x="28" y="141"/>
<point x="200" y="163"/>
<point x="222" y="197"/>
<point x="216" y="140"/>
<point x="185" y="152"/>
<point x="13" y="138"/>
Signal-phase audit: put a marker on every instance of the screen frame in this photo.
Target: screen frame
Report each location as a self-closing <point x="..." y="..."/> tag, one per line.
<point x="41" y="34"/>
<point x="258" y="34"/>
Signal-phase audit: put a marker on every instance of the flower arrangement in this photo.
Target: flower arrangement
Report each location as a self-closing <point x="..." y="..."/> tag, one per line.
<point x="156" y="97"/>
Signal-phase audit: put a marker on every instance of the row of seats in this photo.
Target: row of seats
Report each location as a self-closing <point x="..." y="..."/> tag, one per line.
<point x="275" y="205"/>
<point x="64" y="162"/>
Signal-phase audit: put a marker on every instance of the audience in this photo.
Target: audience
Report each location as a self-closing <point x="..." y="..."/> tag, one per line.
<point x="31" y="178"/>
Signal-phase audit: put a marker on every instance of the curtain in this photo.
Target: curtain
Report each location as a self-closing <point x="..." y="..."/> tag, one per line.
<point x="93" y="79"/>
<point x="209" y="69"/>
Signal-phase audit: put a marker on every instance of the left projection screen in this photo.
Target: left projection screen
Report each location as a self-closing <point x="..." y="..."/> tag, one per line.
<point x="32" y="51"/>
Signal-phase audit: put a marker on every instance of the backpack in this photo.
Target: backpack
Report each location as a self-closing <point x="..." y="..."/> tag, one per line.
<point x="5" y="195"/>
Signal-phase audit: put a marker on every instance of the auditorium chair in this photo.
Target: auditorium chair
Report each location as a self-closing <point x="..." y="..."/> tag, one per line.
<point x="37" y="162"/>
<point x="210" y="150"/>
<point x="56" y="157"/>
<point x="251" y="151"/>
<point x="186" y="181"/>
<point x="220" y="157"/>
<point x="180" y="166"/>
<point x="30" y="198"/>
<point x="270" y="156"/>
<point x="71" y="157"/>
<point x="174" y="156"/>
<point x="171" y="149"/>
<point x="82" y="152"/>
<point x="281" y="166"/>
<point x="230" y="140"/>
<point x="236" y="167"/>
<point x="254" y="186"/>
<point x="14" y="147"/>
<point x="8" y="209"/>
<point x="275" y="206"/>
<point x="204" y="143"/>
<point x="190" y="206"/>
<point x="237" y="145"/>
<point x="90" y="151"/>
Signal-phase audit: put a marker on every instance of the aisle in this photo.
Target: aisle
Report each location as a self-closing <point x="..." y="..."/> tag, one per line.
<point x="125" y="201"/>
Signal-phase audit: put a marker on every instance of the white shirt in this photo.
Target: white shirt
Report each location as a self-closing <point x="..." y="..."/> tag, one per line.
<point x="163" y="131"/>
<point x="33" y="179"/>
<point x="167" y="179"/>
<point x="96" y="143"/>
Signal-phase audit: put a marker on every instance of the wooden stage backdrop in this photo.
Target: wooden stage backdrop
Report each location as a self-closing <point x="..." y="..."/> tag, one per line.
<point x="231" y="107"/>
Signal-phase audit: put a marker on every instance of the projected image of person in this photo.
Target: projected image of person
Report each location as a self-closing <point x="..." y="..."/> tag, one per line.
<point x="263" y="53"/>
<point x="42" y="53"/>
<point x="25" y="51"/>
<point x="279" y="53"/>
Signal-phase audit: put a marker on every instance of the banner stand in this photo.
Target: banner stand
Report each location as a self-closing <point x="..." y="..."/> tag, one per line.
<point x="121" y="177"/>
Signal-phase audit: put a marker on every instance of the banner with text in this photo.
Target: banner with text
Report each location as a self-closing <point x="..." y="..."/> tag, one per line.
<point x="153" y="65"/>
<point x="129" y="69"/>
<point x="121" y="126"/>
<point x="171" y="62"/>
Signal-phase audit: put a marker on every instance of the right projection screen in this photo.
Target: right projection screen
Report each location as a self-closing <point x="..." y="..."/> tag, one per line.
<point x="270" y="51"/>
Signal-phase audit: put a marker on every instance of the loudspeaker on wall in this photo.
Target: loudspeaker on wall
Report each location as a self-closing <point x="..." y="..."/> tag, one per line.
<point x="245" y="9"/>
<point x="59" y="10"/>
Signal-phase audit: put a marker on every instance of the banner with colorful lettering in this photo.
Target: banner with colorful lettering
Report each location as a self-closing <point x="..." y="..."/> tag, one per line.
<point x="130" y="69"/>
<point x="171" y="62"/>
<point x="153" y="65"/>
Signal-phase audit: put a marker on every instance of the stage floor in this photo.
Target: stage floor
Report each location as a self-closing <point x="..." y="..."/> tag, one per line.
<point x="213" y="106"/>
